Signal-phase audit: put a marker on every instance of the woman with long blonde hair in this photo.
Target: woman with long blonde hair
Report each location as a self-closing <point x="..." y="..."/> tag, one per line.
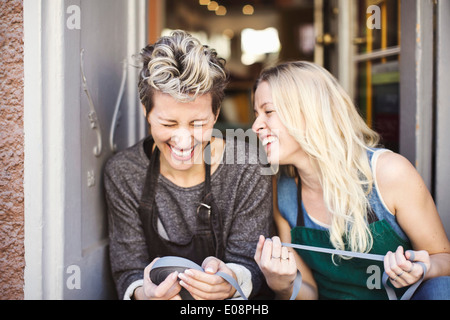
<point x="338" y="190"/>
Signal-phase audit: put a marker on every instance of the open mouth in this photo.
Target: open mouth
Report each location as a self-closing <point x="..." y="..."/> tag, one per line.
<point x="182" y="154"/>
<point x="268" y="140"/>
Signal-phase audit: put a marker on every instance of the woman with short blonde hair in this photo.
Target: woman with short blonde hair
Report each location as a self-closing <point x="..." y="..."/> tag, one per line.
<point x="172" y="195"/>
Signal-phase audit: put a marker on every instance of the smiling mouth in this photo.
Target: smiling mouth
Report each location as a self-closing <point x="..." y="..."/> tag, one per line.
<point x="268" y="140"/>
<point x="182" y="154"/>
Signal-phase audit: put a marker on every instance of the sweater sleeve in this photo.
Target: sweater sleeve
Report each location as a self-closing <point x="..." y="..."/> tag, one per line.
<point x="127" y="246"/>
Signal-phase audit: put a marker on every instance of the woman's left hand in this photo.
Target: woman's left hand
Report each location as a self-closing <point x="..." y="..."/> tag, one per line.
<point x="403" y="272"/>
<point x="207" y="285"/>
<point x="278" y="265"/>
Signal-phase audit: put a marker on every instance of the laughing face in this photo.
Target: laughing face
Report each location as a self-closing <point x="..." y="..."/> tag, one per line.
<point x="181" y="130"/>
<point x="281" y="148"/>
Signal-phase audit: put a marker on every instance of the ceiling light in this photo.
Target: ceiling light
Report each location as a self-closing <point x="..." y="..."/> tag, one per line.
<point x="221" y="11"/>
<point x="228" y="33"/>
<point x="212" y="6"/>
<point x="248" y="9"/>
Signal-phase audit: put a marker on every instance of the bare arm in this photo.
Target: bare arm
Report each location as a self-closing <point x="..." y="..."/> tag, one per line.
<point x="407" y="197"/>
<point x="308" y="290"/>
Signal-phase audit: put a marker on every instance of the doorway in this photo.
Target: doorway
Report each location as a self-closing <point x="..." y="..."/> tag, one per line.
<point x="255" y="34"/>
<point x="250" y="35"/>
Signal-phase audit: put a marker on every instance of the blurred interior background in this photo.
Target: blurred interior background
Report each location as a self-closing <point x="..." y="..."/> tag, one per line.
<point x="254" y="34"/>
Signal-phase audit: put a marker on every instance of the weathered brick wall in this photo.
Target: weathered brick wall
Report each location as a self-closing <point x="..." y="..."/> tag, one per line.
<point x="12" y="260"/>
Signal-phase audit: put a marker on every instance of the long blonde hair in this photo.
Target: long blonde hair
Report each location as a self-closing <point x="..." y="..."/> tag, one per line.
<point x="336" y="139"/>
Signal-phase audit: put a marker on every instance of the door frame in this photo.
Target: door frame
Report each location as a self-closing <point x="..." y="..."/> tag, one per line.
<point x="52" y="164"/>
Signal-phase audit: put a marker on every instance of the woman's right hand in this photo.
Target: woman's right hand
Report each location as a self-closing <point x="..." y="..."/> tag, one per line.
<point x="278" y="265"/>
<point x="169" y="289"/>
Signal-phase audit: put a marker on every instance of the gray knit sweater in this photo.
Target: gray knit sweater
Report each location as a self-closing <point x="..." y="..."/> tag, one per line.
<point x="242" y="194"/>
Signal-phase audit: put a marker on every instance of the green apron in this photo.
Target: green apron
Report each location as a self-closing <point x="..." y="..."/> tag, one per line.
<point x="341" y="278"/>
<point x="348" y="279"/>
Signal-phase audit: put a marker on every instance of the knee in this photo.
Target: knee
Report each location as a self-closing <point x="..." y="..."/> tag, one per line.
<point x="434" y="289"/>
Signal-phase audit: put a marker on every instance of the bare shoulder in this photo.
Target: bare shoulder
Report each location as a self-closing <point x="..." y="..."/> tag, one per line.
<point x="407" y="196"/>
<point x="398" y="180"/>
<point x="393" y="168"/>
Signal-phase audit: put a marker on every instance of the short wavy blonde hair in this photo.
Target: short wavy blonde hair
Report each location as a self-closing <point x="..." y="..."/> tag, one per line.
<point x="182" y="67"/>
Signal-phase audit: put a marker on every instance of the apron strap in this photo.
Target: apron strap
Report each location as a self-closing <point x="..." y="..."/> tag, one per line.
<point x="207" y="160"/>
<point x="148" y="192"/>
<point x="300" y="218"/>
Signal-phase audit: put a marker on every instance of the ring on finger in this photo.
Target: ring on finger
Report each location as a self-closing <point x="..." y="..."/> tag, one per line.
<point x="395" y="279"/>
<point x="284" y="253"/>
<point x="412" y="267"/>
<point x="276" y="257"/>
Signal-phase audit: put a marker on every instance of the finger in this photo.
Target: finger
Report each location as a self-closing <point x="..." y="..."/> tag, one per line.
<point x="258" y="251"/>
<point x="174" y="291"/>
<point x="387" y="268"/>
<point x="266" y="255"/>
<point x="204" y="287"/>
<point x="398" y="274"/>
<point x="422" y="256"/>
<point x="147" y="270"/>
<point x="402" y="263"/>
<point x="411" y="272"/>
<point x="276" y="248"/>
<point x="284" y="253"/>
<point x="201" y="294"/>
<point x="209" y="287"/>
<point x="285" y="265"/>
<point x="211" y="265"/>
<point x="292" y="262"/>
<point x="418" y="256"/>
<point x="167" y="288"/>
<point x="396" y="270"/>
<point x="194" y="277"/>
<point x="405" y="267"/>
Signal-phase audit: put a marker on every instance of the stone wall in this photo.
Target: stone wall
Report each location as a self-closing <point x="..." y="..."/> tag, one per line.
<point x="12" y="261"/>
